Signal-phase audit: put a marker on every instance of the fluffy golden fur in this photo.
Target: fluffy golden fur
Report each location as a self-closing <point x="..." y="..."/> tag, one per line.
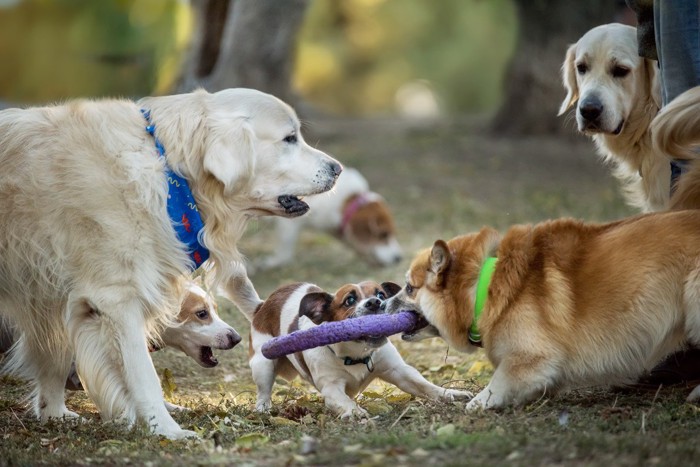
<point x="676" y="132"/>
<point x="570" y="304"/>
<point x="617" y="94"/>
<point x="90" y="260"/>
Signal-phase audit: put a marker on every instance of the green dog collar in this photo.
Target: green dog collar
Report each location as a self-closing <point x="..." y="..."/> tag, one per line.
<point x="482" y="290"/>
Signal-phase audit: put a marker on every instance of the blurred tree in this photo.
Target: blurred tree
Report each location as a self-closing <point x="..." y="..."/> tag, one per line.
<point x="244" y="43"/>
<point x="533" y="89"/>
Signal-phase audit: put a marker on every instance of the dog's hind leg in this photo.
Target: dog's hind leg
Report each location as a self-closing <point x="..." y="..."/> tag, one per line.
<point x="109" y="335"/>
<point x="48" y="364"/>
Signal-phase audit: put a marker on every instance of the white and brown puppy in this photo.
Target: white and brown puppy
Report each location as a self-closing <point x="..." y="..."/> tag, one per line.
<point x="199" y="329"/>
<point x="617" y="94"/>
<point x="92" y="252"/>
<point x="562" y="304"/>
<point x="339" y="371"/>
<point x="350" y="212"/>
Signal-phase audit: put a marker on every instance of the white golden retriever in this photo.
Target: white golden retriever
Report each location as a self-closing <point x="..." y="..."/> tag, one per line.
<point x="617" y="94"/>
<point x="89" y="256"/>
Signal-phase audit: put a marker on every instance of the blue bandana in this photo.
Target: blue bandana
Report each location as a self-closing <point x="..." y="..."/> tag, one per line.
<point x="182" y="208"/>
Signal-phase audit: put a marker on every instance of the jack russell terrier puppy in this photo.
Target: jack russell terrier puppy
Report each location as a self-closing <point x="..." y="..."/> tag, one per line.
<point x="351" y="212"/>
<point x="198" y="330"/>
<point x="339" y="371"/>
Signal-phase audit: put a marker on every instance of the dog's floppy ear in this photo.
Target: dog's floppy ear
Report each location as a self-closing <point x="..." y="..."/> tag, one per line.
<point x="314" y="306"/>
<point x="568" y="75"/>
<point x="440" y="258"/>
<point x="229" y="157"/>
<point x="391" y="288"/>
<point x="653" y="82"/>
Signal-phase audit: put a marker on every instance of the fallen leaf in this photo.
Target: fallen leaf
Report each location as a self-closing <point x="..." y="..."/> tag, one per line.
<point x="251" y="440"/>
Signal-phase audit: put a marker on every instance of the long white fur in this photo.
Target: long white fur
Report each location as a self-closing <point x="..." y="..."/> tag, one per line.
<point x="89" y="260"/>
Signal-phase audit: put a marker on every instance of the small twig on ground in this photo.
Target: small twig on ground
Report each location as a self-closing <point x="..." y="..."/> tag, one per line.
<point x="400" y="416"/>
<point x="20" y="421"/>
<point x="651" y="407"/>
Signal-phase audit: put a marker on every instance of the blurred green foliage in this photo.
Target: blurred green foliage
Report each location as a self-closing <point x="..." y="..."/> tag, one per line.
<point x="354" y="55"/>
<point x="56" y="49"/>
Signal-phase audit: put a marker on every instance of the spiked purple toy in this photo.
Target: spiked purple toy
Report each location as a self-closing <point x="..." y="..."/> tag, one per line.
<point x="338" y="331"/>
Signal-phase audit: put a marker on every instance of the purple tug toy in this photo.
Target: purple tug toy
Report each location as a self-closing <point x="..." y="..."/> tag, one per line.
<point x="339" y="331"/>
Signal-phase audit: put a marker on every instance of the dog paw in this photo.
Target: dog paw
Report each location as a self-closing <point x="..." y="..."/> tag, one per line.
<point x="178" y="434"/>
<point x="263" y="406"/>
<point x="354" y="413"/>
<point x="59" y="413"/>
<point x="694" y="396"/>
<point x="175" y="408"/>
<point x="452" y="395"/>
<point x="474" y="405"/>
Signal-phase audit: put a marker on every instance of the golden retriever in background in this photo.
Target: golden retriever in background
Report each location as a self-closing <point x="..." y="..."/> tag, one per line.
<point x="89" y="257"/>
<point x="617" y="94"/>
<point x="568" y="305"/>
<point x="676" y="132"/>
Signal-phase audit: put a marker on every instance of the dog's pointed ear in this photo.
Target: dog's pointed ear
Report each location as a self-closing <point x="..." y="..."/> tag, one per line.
<point x="440" y="258"/>
<point x="314" y="306"/>
<point x="390" y="288"/>
<point x="653" y="82"/>
<point x="230" y="156"/>
<point x="568" y="75"/>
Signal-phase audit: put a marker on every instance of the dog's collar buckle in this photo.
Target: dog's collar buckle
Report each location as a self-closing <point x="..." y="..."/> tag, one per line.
<point x="367" y="361"/>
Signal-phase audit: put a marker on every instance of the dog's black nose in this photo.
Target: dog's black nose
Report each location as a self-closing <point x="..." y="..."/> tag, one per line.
<point x="336" y="168"/>
<point x="590" y="108"/>
<point x="233" y="338"/>
<point x="373" y="305"/>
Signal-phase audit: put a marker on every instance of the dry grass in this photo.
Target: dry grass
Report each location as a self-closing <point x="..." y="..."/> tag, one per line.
<point x="441" y="180"/>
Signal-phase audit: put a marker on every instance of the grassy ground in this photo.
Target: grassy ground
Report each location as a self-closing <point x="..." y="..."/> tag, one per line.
<point x="441" y="181"/>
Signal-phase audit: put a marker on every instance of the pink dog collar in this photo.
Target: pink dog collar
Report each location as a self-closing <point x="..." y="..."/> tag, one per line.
<point x="351" y="207"/>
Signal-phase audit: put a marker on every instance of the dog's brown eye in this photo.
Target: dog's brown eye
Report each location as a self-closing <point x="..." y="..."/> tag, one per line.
<point x="350" y="301"/>
<point x="581" y="68"/>
<point x="620" y="72"/>
<point x="380" y="295"/>
<point x="202" y="314"/>
<point x="409" y="289"/>
<point x="291" y="139"/>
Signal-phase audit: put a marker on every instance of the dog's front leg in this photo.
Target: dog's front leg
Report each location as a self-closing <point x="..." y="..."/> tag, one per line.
<point x="264" y="377"/>
<point x="393" y="369"/>
<point x="514" y="383"/>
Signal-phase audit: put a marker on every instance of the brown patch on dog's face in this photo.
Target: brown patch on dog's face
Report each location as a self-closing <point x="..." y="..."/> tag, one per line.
<point x="371" y="232"/>
<point x="323" y="307"/>
<point x="196" y="308"/>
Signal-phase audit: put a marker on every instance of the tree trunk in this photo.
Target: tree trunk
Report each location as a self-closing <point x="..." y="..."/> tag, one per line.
<point x="533" y="84"/>
<point x="244" y="43"/>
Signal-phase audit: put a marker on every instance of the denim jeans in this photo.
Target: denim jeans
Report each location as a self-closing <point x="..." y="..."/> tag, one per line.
<point x="677" y="28"/>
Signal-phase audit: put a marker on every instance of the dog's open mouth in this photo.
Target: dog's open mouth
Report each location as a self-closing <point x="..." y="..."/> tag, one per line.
<point x="293" y="205"/>
<point x="207" y="358"/>
<point x="618" y="130"/>
<point x="421" y="324"/>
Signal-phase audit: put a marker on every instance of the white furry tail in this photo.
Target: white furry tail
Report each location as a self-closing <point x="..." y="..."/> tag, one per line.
<point x="676" y="129"/>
